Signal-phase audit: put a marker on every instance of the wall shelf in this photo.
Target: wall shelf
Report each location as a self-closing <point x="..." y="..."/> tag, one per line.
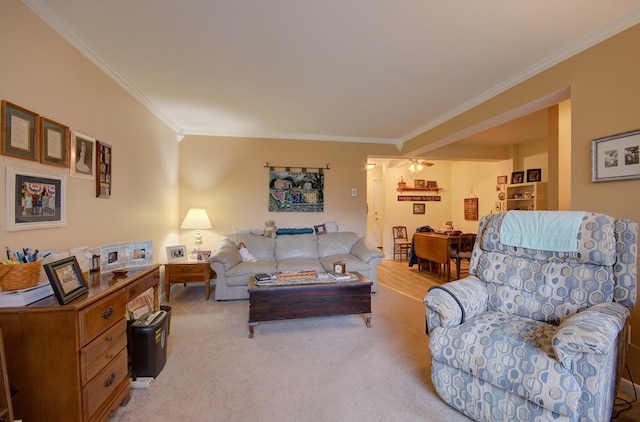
<point x="408" y="189"/>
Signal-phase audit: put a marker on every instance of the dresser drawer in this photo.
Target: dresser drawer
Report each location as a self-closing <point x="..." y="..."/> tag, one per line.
<point x="101" y="315"/>
<point x="105" y="383"/>
<point x="139" y="286"/>
<point x="97" y="354"/>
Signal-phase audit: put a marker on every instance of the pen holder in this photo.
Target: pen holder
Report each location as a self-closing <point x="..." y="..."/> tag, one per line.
<point x="19" y="276"/>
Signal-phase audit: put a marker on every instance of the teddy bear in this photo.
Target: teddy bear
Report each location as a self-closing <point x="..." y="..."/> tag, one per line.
<point x="270" y="229"/>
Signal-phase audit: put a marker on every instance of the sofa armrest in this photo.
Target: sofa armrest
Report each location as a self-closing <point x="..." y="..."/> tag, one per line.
<point x="365" y="251"/>
<point x="593" y="331"/>
<point x="226" y="256"/>
<point x="455" y="302"/>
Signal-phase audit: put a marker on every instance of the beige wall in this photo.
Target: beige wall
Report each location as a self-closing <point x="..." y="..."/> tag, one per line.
<point x="605" y="100"/>
<point x="227" y="177"/>
<point x="43" y="73"/>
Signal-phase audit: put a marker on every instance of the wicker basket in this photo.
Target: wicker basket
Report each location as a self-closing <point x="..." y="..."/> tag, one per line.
<point x="20" y="276"/>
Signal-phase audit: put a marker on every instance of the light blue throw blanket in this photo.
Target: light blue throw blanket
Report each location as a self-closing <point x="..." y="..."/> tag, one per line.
<point x="545" y="230"/>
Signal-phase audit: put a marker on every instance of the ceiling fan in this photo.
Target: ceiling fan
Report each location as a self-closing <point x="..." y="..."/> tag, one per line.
<point x="415" y="164"/>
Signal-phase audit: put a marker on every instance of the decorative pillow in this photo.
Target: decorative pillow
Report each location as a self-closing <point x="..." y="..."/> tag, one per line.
<point x="320" y="229"/>
<point x="331" y="226"/>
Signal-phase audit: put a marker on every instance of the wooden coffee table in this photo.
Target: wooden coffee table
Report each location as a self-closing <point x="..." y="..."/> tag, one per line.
<point x="278" y="302"/>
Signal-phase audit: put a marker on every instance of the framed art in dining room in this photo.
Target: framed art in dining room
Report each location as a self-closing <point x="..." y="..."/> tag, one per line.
<point x="34" y="200"/>
<point x="616" y="157"/>
<point x="419" y="208"/>
<point x="66" y="279"/>
<point x="82" y="153"/>
<point x="19" y="136"/>
<point x="54" y="143"/>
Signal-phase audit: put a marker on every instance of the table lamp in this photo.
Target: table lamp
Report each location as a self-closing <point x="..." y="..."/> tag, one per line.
<point x="196" y="219"/>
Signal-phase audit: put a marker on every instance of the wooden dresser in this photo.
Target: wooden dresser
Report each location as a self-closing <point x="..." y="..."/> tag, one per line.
<point x="69" y="362"/>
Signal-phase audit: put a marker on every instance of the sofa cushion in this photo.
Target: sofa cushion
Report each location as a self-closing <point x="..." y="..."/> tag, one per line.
<point x="261" y="247"/>
<point x="241" y="273"/>
<point x="352" y="264"/>
<point x="336" y="243"/>
<point x="299" y="264"/>
<point x="226" y="254"/>
<point x="296" y="246"/>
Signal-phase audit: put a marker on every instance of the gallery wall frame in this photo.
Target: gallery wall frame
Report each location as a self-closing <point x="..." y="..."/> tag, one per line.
<point x="616" y="157"/>
<point x="419" y="208"/>
<point x="34" y="200"/>
<point x="19" y="136"/>
<point x="517" y="177"/>
<point x="83" y="150"/>
<point x="54" y="143"/>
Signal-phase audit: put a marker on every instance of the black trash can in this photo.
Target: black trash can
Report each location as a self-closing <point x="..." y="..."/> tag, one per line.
<point x="148" y="341"/>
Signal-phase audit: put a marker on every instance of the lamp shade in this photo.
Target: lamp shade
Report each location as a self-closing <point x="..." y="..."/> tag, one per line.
<point x="196" y="219"/>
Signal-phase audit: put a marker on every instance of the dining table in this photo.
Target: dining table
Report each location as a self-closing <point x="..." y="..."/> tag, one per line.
<point x="431" y="247"/>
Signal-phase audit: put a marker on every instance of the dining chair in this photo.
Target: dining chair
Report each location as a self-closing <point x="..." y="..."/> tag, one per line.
<point x="401" y="242"/>
<point x="462" y="250"/>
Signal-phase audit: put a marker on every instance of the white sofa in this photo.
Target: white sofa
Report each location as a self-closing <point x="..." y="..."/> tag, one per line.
<point x="293" y="252"/>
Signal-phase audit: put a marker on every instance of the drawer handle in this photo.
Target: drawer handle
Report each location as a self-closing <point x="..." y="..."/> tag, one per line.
<point x="110" y="380"/>
<point x="108" y="312"/>
<point x="110" y="356"/>
<point x="109" y="339"/>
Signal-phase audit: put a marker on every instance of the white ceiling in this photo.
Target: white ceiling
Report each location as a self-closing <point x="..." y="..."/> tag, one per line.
<point x="354" y="70"/>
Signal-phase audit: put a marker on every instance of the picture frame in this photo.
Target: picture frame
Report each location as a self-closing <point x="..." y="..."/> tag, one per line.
<point x="534" y="175"/>
<point x="203" y="255"/>
<point x="113" y="257"/>
<point x="103" y="169"/>
<point x="66" y="279"/>
<point x="502" y="180"/>
<point x="419" y="208"/>
<point x="517" y="177"/>
<point x="139" y="254"/>
<point x="83" y="150"/>
<point x="176" y="253"/>
<point x="432" y="184"/>
<point x="419" y="183"/>
<point x="23" y="187"/>
<point x="616" y="157"/>
<point x="471" y="209"/>
<point x="19" y="136"/>
<point x="54" y="143"/>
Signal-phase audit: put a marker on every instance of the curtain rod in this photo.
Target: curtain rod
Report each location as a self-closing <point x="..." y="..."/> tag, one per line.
<point x="271" y="166"/>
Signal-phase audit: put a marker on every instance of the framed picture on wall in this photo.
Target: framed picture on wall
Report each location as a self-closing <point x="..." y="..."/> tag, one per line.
<point x="517" y="177"/>
<point x="34" y="200"/>
<point x="54" y="143"/>
<point x="419" y="208"/>
<point x="83" y="149"/>
<point x="616" y="157"/>
<point x="19" y="132"/>
<point x="534" y="175"/>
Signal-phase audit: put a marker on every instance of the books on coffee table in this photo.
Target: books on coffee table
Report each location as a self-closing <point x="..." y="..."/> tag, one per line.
<point x="341" y="277"/>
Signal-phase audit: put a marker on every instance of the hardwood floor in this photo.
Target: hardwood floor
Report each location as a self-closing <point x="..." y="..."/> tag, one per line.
<point x="409" y="281"/>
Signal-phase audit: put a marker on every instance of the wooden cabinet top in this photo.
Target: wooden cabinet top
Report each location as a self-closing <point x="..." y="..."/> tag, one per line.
<point x="100" y="285"/>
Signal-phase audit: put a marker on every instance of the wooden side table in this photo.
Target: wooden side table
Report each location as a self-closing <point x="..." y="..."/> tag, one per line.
<point x="187" y="272"/>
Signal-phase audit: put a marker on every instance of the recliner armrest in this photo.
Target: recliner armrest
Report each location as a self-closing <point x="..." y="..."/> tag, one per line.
<point x="593" y="330"/>
<point x="455" y="302"/>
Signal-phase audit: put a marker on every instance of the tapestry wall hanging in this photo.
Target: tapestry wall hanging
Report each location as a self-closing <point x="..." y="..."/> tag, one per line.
<point x="296" y="191"/>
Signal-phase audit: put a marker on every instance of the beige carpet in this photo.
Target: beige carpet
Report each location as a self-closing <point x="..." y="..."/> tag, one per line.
<point x="318" y="369"/>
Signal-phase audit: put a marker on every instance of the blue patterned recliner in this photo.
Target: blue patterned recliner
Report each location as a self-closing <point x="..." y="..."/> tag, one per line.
<point x="534" y="334"/>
